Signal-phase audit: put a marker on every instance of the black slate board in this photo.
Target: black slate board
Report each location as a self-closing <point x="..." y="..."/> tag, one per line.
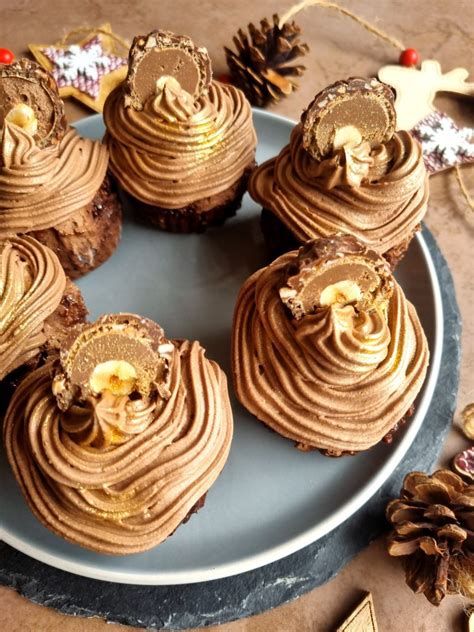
<point x="208" y="603"/>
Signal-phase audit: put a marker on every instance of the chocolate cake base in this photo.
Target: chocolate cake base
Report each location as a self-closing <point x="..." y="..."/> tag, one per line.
<point x="199" y="504"/>
<point x="71" y="311"/>
<point x="396" y="254"/>
<point x="195" y="217"/>
<point x="304" y="447"/>
<point x="387" y="439"/>
<point x="90" y="236"/>
<point x="279" y="239"/>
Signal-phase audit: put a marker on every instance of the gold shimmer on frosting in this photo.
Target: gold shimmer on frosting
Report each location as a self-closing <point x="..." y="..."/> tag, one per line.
<point x="41" y="188"/>
<point x="118" y="473"/>
<point x="108" y="420"/>
<point x="32" y="283"/>
<point x="316" y="199"/>
<point x="339" y="378"/>
<point x="172" y="153"/>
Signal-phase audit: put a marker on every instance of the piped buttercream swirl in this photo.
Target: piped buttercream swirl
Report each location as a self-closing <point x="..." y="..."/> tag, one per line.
<point x="350" y="166"/>
<point x="336" y="379"/>
<point x="108" y="420"/>
<point x="119" y="477"/>
<point x="171" y="102"/>
<point x="173" y="153"/>
<point x="41" y="188"/>
<point x="381" y="203"/>
<point x="32" y="283"/>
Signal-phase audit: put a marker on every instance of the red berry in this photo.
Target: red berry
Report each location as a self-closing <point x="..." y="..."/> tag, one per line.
<point x="224" y="78"/>
<point x="6" y="56"/>
<point x="409" y="57"/>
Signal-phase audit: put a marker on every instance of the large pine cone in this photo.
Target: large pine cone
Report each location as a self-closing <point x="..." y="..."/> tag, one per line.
<point x="433" y="525"/>
<point x="261" y="66"/>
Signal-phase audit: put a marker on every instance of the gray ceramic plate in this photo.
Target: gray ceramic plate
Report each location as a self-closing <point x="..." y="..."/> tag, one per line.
<point x="271" y="499"/>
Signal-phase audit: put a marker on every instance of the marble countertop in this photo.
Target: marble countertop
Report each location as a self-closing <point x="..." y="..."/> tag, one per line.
<point x="338" y="48"/>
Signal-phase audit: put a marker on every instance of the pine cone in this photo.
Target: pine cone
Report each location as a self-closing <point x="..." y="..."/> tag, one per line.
<point x="260" y="68"/>
<point x="434" y="529"/>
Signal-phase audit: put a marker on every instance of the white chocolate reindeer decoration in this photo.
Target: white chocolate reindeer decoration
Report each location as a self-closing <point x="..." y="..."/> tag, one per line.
<point x="416" y="89"/>
<point x="444" y="144"/>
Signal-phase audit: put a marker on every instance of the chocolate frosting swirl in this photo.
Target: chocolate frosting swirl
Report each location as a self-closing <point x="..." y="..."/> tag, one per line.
<point x="32" y="283"/>
<point x="173" y="153"/>
<point x="41" y="188"/>
<point x="172" y="103"/>
<point x="318" y="199"/>
<point x="334" y="380"/>
<point x="108" y="420"/>
<point x="119" y="475"/>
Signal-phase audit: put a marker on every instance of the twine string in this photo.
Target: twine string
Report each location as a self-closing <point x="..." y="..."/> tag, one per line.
<point x="325" y="4"/>
<point x="463" y="187"/>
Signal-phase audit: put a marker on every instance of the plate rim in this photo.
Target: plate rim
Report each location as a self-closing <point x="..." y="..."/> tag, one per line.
<point x="275" y="553"/>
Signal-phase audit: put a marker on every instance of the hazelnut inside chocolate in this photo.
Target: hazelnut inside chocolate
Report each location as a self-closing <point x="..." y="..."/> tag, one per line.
<point x="336" y="271"/>
<point x="338" y="283"/>
<point x="167" y="62"/>
<point x="23" y="116"/>
<point x="29" y="99"/>
<point x="347" y="114"/>
<point x="117" y="376"/>
<point x="161" y="55"/>
<point x="120" y="354"/>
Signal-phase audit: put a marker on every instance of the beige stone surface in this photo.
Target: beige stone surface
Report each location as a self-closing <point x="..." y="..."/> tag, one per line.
<point x="339" y="48"/>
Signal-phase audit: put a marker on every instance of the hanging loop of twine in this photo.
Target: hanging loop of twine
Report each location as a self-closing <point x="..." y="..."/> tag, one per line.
<point x="325" y="4"/>
<point x="462" y="186"/>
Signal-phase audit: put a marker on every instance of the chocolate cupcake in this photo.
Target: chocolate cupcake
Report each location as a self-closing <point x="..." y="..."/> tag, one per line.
<point x="38" y="306"/>
<point x="181" y="146"/>
<point x="53" y="183"/>
<point x="327" y="351"/>
<point x="346" y="170"/>
<point x="118" y="442"/>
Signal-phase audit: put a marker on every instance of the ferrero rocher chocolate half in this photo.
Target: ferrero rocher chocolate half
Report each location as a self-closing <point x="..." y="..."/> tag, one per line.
<point x="348" y="113"/>
<point x="120" y="353"/>
<point x="29" y="98"/>
<point x="160" y="55"/>
<point x="337" y="270"/>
